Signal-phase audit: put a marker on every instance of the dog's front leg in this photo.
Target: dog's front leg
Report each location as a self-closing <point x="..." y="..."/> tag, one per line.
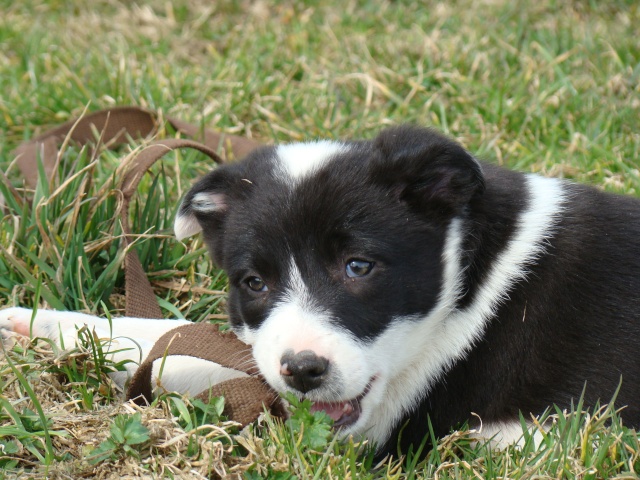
<point x="126" y="339"/>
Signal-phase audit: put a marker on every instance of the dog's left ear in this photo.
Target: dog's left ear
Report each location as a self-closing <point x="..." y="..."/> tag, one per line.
<point x="427" y="170"/>
<point x="207" y="198"/>
<point x="186" y="223"/>
<point x="206" y="206"/>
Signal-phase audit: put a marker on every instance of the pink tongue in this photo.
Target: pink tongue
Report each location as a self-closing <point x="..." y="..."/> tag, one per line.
<point x="334" y="410"/>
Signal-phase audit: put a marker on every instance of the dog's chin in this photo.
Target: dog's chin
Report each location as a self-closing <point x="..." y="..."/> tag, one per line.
<point x="346" y="413"/>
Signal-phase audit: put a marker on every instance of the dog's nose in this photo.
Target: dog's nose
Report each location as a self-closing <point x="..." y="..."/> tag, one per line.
<point x="304" y="370"/>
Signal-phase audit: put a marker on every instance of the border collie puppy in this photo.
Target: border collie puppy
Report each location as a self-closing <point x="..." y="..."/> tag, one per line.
<point x="400" y="281"/>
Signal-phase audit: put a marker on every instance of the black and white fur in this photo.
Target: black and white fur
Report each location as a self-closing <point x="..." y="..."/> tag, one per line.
<point x="400" y="280"/>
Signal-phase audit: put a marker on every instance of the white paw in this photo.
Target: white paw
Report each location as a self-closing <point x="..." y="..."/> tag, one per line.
<point x="15" y="320"/>
<point x="20" y="321"/>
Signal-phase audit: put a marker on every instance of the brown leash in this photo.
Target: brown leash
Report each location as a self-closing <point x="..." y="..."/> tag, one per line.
<point x="245" y="398"/>
<point x="114" y="127"/>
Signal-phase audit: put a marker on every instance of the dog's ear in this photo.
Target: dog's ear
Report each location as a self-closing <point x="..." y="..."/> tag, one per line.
<point x="427" y="170"/>
<point x="205" y="207"/>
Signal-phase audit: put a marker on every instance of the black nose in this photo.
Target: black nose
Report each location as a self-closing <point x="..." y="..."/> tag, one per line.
<point x="304" y="370"/>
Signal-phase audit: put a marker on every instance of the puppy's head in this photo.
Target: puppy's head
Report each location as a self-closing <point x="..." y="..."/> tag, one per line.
<point x="331" y="248"/>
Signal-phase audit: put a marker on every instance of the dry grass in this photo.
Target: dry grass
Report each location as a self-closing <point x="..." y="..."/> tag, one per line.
<point x="76" y="431"/>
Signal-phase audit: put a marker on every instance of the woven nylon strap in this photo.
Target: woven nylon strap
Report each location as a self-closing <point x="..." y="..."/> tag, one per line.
<point x="114" y="127"/>
<point x="245" y="398"/>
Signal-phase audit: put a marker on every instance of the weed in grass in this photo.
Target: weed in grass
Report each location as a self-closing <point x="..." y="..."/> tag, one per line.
<point x="310" y="430"/>
<point x="127" y="434"/>
<point x="203" y="436"/>
<point x="9" y="450"/>
<point x="198" y="419"/>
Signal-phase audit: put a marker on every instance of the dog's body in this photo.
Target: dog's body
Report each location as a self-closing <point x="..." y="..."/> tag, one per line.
<point x="399" y="281"/>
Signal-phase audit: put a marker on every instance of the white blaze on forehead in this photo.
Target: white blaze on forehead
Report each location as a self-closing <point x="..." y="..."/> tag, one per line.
<point x="301" y="159"/>
<point x="297" y="291"/>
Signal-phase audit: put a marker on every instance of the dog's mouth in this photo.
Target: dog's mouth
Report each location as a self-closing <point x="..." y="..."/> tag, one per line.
<point x="345" y="413"/>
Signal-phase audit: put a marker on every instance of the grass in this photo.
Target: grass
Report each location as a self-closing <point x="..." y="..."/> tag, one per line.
<point x="550" y="87"/>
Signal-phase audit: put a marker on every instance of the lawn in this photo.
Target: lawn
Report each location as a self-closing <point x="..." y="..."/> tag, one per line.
<point x="551" y="87"/>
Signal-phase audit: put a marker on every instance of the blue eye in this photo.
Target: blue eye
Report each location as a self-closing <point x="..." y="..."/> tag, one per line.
<point x="256" y="284"/>
<point x="358" y="268"/>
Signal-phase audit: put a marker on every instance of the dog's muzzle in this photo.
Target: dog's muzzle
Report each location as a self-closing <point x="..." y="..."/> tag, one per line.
<point x="305" y="371"/>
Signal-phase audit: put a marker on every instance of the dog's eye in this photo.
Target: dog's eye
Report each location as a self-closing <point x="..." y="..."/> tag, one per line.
<point x="256" y="284"/>
<point x="358" y="268"/>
